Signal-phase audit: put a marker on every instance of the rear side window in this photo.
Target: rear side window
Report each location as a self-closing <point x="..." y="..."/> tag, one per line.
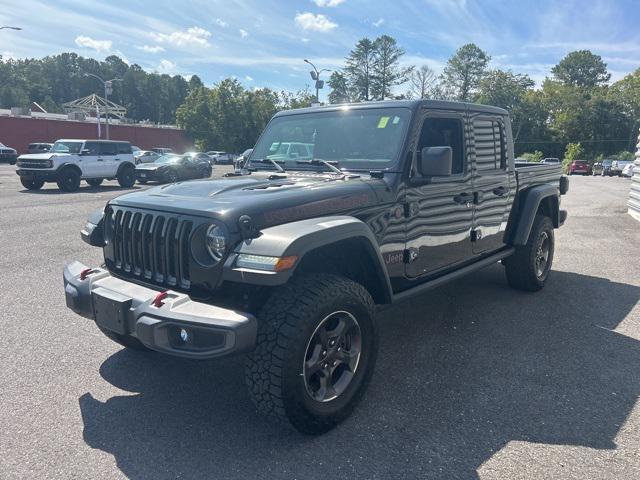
<point x="444" y="132"/>
<point x="489" y="144"/>
<point x="108" y="148"/>
<point x="124" y="147"/>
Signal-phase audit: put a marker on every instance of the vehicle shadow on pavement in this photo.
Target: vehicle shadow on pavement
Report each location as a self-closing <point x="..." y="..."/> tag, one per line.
<point x="83" y="189"/>
<point x="461" y="372"/>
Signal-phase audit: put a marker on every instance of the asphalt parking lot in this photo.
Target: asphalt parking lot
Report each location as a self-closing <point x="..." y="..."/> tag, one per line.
<point x="474" y="380"/>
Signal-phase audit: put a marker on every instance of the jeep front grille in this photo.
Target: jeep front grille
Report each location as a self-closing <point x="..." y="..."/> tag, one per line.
<point x="152" y="247"/>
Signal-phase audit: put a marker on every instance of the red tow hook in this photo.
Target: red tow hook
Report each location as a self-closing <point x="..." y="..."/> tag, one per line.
<point x="157" y="301"/>
<point x="86" y="272"/>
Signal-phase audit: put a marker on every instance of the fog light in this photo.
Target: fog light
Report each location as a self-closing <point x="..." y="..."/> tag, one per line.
<point x="184" y="335"/>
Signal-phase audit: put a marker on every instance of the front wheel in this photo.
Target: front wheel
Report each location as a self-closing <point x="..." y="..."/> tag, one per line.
<point x="528" y="268"/>
<point x="31" y="184"/>
<point x="316" y="350"/>
<point x="69" y="180"/>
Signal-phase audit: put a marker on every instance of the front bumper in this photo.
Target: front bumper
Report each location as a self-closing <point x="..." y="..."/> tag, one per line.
<point x="128" y="309"/>
<point x="149" y="175"/>
<point x="44" y="175"/>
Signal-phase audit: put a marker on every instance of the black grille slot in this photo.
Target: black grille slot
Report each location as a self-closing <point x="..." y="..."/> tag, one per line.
<point x="149" y="246"/>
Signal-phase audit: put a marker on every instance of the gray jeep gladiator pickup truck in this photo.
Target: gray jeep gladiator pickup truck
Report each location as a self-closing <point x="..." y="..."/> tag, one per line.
<point x="288" y="260"/>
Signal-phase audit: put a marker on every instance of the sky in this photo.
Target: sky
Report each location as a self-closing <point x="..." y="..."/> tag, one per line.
<point x="263" y="43"/>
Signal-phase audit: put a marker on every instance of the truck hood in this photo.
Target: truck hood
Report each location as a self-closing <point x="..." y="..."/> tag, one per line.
<point x="41" y="156"/>
<point x="269" y="199"/>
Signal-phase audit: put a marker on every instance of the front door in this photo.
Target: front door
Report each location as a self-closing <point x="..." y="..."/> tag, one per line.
<point x="494" y="184"/>
<point x="440" y="212"/>
<point x="108" y="161"/>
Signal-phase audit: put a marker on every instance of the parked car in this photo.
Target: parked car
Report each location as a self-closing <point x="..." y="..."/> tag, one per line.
<point x="597" y="168"/>
<point x="581" y="167"/>
<point x="39" y="147"/>
<point x="606" y="167"/>
<point x="290" y="150"/>
<point x="70" y="161"/>
<point x="146" y="156"/>
<point x="8" y="154"/>
<point x="290" y="263"/>
<point x="617" y="166"/>
<point x="135" y="149"/>
<point x="222" y="158"/>
<point x="162" y="150"/>
<point x="551" y="160"/>
<point x="628" y="170"/>
<point x="172" y="168"/>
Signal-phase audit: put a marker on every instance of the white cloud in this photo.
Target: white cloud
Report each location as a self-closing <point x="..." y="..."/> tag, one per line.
<point x="151" y="49"/>
<point x="328" y="3"/>
<point x="193" y="36"/>
<point x="243" y="33"/>
<point x="248" y="78"/>
<point x="166" y="66"/>
<point x="98" y="45"/>
<point x="305" y="40"/>
<point x="318" y="23"/>
<point x="220" y="23"/>
<point x="378" y="22"/>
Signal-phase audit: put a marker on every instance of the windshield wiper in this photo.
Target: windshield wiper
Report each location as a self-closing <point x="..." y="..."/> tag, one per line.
<point x="272" y="162"/>
<point x="318" y="161"/>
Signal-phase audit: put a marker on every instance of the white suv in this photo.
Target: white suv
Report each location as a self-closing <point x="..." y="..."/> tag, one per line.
<point x="70" y="161"/>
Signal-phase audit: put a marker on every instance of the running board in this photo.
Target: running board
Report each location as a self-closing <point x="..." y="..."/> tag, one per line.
<point x="436" y="282"/>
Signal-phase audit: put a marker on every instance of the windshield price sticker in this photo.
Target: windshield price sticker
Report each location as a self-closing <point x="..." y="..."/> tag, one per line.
<point x="383" y="122"/>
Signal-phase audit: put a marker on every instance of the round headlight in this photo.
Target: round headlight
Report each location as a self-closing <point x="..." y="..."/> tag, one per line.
<point x="216" y="242"/>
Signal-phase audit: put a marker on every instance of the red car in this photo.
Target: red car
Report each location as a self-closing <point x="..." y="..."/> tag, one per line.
<point x="579" y="166"/>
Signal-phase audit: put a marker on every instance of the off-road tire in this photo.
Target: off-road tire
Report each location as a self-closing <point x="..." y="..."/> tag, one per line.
<point x="68" y="180"/>
<point x="31" y="184"/>
<point x="125" y="340"/>
<point x="521" y="267"/>
<point x="127" y="176"/>
<point x="94" y="182"/>
<point x="286" y="325"/>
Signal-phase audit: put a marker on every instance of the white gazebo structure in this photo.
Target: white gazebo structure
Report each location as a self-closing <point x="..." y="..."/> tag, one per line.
<point x="94" y="104"/>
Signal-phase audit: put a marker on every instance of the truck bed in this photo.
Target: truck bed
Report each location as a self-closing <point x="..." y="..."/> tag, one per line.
<point x="528" y="174"/>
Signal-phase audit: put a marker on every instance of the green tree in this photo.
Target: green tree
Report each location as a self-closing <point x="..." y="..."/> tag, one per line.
<point x="535" y="156"/>
<point x="359" y="69"/>
<point x="463" y="72"/>
<point x="574" y="151"/>
<point x="581" y="69"/>
<point x="626" y="93"/>
<point x="339" y="88"/>
<point x="387" y="73"/>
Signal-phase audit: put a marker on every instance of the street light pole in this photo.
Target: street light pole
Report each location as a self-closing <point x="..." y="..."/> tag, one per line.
<point x="108" y="90"/>
<point x="315" y="75"/>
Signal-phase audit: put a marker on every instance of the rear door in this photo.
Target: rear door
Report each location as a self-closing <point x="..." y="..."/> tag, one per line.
<point x="90" y="160"/>
<point x="493" y="183"/>
<point x="440" y="213"/>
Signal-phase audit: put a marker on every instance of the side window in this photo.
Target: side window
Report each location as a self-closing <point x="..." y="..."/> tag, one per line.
<point x="444" y="132"/>
<point x="124" y="147"/>
<point x="489" y="144"/>
<point x="108" y="148"/>
<point x="93" y="147"/>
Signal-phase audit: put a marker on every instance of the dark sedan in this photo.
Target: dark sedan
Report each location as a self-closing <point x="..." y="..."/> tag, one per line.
<point x="8" y="154"/>
<point x="173" y="168"/>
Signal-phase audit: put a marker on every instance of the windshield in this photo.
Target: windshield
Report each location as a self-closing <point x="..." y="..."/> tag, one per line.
<point x="66" y="147"/>
<point x="355" y="138"/>
<point x="166" y="159"/>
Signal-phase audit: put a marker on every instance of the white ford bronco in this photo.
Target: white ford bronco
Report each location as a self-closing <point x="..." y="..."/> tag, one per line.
<point x="70" y="161"/>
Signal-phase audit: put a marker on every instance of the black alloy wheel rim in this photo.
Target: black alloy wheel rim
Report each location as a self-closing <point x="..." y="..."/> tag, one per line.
<point x="172" y="177"/>
<point x="332" y="356"/>
<point x="542" y="254"/>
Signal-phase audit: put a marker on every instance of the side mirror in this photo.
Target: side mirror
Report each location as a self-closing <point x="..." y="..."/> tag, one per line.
<point x="436" y="161"/>
<point x="85" y="151"/>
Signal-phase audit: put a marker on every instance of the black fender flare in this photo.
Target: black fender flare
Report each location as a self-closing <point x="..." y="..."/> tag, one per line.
<point x="123" y="166"/>
<point x="66" y="166"/>
<point x="528" y="205"/>
<point x="299" y="239"/>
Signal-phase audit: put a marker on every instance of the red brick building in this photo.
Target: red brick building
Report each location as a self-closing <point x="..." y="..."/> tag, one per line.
<point x="19" y="131"/>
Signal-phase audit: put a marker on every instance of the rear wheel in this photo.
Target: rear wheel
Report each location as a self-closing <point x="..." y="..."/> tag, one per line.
<point x="127" y="176"/>
<point x="94" y="182"/>
<point x="31" y="184"/>
<point x="316" y="350"/>
<point x="172" y="176"/>
<point x="69" y="180"/>
<point x="528" y="268"/>
<point x="125" y="340"/>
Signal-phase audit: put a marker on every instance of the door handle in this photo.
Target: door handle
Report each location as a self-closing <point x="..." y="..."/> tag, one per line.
<point x="500" y="191"/>
<point x="463" y="198"/>
<point x="100" y="160"/>
<point x="117" y="159"/>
